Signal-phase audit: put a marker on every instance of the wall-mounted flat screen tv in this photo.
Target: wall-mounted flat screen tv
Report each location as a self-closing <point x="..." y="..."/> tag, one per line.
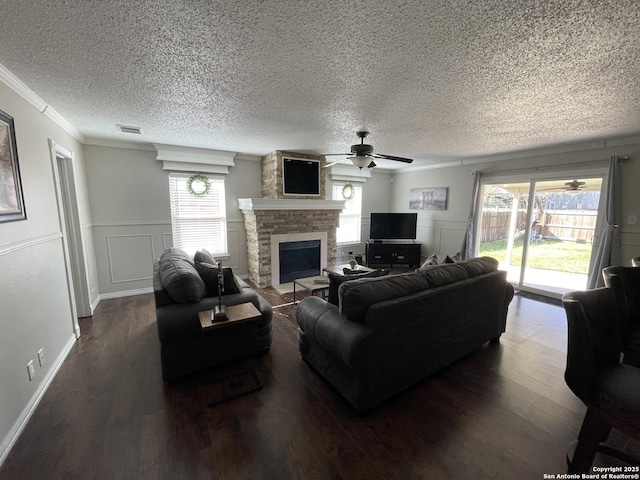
<point x="393" y="226"/>
<point x="301" y="177"/>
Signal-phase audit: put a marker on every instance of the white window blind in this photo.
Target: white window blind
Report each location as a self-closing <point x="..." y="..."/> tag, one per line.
<point x="198" y="222"/>
<point x="350" y="224"/>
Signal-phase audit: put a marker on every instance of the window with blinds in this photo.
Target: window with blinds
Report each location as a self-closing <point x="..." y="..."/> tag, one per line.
<point x="198" y="222"/>
<point x="350" y="225"/>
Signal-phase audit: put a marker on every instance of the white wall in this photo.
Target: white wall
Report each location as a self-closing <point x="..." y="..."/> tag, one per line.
<point x="129" y="197"/>
<point x="376" y="196"/>
<point x="442" y="232"/>
<point x="35" y="305"/>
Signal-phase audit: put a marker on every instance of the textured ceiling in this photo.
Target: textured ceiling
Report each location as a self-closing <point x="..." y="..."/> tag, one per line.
<point x="435" y="80"/>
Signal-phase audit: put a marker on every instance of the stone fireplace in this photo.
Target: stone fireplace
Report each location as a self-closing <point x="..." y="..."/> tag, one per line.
<point x="275" y="219"/>
<point x="269" y="222"/>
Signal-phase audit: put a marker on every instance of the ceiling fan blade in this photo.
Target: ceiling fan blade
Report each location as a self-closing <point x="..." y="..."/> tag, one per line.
<point x="391" y="157"/>
<point x="334" y="163"/>
<point x="333" y="154"/>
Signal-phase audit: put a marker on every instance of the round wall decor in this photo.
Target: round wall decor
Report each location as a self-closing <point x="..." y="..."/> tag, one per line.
<point x="348" y="191"/>
<point x="198" y="185"/>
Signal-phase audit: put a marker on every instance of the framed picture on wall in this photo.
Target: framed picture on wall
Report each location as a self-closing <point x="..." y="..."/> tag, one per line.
<point x="434" y="198"/>
<point x="11" y="199"/>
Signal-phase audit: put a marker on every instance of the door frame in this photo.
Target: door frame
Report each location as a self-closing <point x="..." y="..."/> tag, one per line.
<point x="533" y="176"/>
<point x="62" y="163"/>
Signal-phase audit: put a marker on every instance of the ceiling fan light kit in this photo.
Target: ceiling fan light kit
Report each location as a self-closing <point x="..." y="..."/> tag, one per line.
<point x="360" y="161"/>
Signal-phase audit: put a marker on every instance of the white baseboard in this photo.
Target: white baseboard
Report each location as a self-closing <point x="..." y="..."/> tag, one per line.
<point x="26" y="414"/>
<point x="125" y="293"/>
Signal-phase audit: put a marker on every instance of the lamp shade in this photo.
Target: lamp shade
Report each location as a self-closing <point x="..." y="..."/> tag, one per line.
<point x="360" y="161"/>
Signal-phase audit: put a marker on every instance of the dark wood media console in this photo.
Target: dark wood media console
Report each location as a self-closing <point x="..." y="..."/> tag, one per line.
<point x="392" y="253"/>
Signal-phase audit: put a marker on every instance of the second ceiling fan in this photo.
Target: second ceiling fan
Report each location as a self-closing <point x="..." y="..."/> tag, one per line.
<point x="362" y="154"/>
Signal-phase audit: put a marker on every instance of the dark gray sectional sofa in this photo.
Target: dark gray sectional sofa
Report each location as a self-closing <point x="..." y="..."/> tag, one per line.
<point x="183" y="287"/>
<point x="389" y="333"/>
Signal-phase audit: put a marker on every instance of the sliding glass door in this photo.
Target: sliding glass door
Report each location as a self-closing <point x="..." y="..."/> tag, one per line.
<point x="541" y="232"/>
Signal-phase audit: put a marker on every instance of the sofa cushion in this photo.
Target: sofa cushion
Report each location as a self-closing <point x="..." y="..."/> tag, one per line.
<point x="480" y="265"/>
<point x="179" y="277"/>
<point x="355" y="296"/>
<point x="335" y="280"/>
<point x="204" y="256"/>
<point x="209" y="273"/>
<point x="438" y="275"/>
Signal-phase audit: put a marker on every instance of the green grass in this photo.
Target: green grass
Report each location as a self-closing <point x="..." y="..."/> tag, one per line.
<point x="554" y="255"/>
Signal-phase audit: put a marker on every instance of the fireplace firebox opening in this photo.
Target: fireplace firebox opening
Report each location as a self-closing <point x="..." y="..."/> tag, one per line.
<point x="299" y="259"/>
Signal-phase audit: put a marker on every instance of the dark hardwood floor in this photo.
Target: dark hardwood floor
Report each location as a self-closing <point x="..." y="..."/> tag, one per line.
<point x="502" y="412"/>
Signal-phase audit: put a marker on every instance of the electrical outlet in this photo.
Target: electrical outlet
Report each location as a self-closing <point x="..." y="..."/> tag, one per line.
<point x="41" y="356"/>
<point x="31" y="369"/>
<point x="632" y="219"/>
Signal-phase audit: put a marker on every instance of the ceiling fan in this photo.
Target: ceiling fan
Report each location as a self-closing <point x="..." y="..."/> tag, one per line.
<point x="574" y="185"/>
<point x="362" y="154"/>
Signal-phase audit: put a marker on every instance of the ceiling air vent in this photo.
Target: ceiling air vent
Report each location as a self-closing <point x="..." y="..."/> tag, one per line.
<point x="129" y="129"/>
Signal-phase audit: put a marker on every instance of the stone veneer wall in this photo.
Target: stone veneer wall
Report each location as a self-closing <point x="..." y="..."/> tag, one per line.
<point x="261" y="224"/>
<point x="271" y="168"/>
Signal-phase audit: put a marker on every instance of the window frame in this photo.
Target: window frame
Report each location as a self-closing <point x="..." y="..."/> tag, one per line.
<point x="207" y="213"/>
<point x="347" y="216"/>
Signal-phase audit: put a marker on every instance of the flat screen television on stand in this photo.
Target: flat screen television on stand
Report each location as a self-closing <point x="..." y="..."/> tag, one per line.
<point x="300" y="176"/>
<point x="393" y="226"/>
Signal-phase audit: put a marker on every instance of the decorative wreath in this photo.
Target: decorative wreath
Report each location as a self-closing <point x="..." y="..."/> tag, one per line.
<point x="198" y="185"/>
<point x="348" y="191"/>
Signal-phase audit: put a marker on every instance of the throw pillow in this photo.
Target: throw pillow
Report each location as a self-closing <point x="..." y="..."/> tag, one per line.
<point x="431" y="260"/>
<point x="204" y="256"/>
<point x="209" y="274"/>
<point x="453" y="258"/>
<point x="180" y="279"/>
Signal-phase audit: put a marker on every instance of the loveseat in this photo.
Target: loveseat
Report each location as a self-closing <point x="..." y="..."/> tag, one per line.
<point x="184" y="286"/>
<point x="390" y="332"/>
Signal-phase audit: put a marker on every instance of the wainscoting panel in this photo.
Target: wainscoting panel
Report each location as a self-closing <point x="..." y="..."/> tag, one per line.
<point x="90" y="261"/>
<point x="167" y="240"/>
<point x="130" y="257"/>
<point x="451" y="240"/>
<point x="630" y="247"/>
<point x="233" y="245"/>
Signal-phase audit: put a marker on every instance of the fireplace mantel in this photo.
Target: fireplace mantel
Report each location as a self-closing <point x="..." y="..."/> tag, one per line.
<point x="288" y="204"/>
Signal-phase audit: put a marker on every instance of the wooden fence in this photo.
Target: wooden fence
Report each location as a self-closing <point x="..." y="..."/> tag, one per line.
<point x="569" y="225"/>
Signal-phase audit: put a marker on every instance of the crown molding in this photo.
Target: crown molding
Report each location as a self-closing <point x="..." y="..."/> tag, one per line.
<point x="539" y="152"/>
<point x="15" y="84"/>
